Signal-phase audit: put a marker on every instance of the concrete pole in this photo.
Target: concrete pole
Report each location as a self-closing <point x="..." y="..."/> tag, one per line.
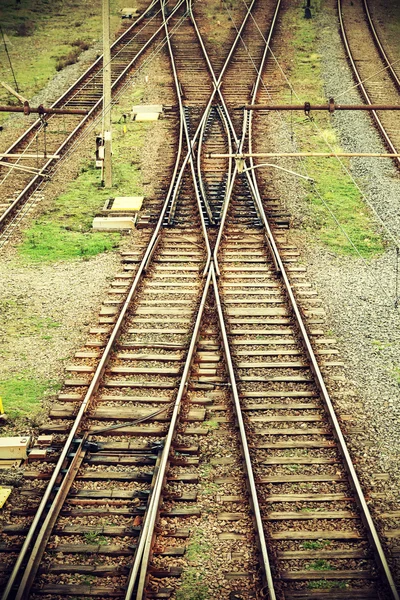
<point x="107" y="165"/>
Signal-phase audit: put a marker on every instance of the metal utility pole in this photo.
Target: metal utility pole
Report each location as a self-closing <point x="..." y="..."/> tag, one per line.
<point x="107" y="166"/>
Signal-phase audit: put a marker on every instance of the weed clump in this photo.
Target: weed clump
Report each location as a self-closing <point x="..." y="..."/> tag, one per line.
<point x="78" y="46"/>
<point x="25" y="28"/>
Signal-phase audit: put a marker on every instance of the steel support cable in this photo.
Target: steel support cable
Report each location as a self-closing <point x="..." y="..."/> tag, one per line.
<point x="252" y="184"/>
<point x="217" y="83"/>
<point x="18" y="160"/>
<point x="84" y="136"/>
<point x="345" y="169"/>
<point x="354" y="481"/>
<point x="143" y="552"/>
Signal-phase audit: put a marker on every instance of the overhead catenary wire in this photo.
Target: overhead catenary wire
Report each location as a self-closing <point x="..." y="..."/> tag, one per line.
<point x="303" y="166"/>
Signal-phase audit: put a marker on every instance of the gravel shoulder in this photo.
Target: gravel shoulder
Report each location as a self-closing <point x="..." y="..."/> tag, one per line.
<point x="359" y="296"/>
<point x="46" y="310"/>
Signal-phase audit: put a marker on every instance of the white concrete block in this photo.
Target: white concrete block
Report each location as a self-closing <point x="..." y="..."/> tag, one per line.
<point x="113" y="223"/>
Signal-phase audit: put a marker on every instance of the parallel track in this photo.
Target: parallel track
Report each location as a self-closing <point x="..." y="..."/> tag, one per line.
<point x="376" y="79"/>
<point x="56" y="135"/>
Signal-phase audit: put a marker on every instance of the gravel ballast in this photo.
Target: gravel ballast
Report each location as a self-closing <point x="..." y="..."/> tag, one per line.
<point x="358" y="295"/>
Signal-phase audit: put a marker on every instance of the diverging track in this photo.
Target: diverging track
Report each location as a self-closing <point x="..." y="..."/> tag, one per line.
<point x="217" y="280"/>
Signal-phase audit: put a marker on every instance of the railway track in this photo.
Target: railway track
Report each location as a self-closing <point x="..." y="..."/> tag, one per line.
<point x="122" y="467"/>
<point x="377" y="80"/>
<point x="55" y="135"/>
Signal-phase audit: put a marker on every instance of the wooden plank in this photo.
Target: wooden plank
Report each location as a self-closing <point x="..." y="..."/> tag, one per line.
<point x="231" y="516"/>
<point x="311" y="515"/>
<point x="289" y="406"/>
<point x="311" y="575"/>
<point x="258" y="332"/>
<point x="267" y="352"/>
<point x="307" y="498"/>
<point x="99" y="570"/>
<point x="290" y="431"/>
<point x="257" y="312"/>
<point x="167" y="330"/>
<point x="333" y="594"/>
<point x="300" y="478"/>
<point x="144" y="399"/>
<point x="287" y="419"/>
<point x="316" y="535"/>
<point x="227" y="536"/>
<point x="145" y="370"/>
<point x="79" y="590"/>
<point x="299" y="460"/>
<point x="294" y="444"/>
<point x="277" y="378"/>
<point x="311" y="554"/>
<point x="107" y="549"/>
<point x="176" y="356"/>
<point x="111" y="530"/>
<point x="271" y="365"/>
<point x="279" y="394"/>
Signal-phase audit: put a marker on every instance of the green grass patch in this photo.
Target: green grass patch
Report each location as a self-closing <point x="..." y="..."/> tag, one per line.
<point x="211" y="424"/>
<point x="322" y="584"/>
<point x="193" y="586"/>
<point x="396" y="374"/>
<point x="315" y="545"/>
<point x="43" y="36"/>
<point x="198" y="547"/>
<point x="22" y="394"/>
<point x="333" y="187"/>
<point x="320" y="565"/>
<point x="95" y="537"/>
<point x="65" y="232"/>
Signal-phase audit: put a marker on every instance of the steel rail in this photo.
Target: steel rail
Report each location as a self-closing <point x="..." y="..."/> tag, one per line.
<point x="266" y="567"/>
<point x="147" y="540"/>
<point x="360" y="84"/>
<point x="142" y="556"/>
<point x="187" y="136"/>
<point x="380" y="47"/>
<point x="330" y="411"/>
<point x="251" y="181"/>
<point x="217" y="83"/>
<point x="98" y="62"/>
<point x="199" y="173"/>
<point x="33" y="184"/>
<point x="33" y="532"/>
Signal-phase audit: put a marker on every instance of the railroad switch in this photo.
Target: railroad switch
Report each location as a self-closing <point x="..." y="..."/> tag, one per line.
<point x="92" y="447"/>
<point x="157" y="446"/>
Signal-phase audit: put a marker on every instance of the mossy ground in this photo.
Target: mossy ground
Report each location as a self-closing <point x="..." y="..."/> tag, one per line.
<point x="333" y="188"/>
<point x="64" y="231"/>
<point x="38" y="34"/>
